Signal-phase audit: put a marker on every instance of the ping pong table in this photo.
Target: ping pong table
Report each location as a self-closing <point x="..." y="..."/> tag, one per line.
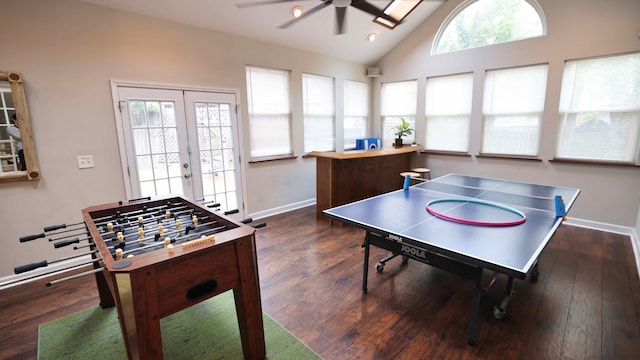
<point x="399" y="222"/>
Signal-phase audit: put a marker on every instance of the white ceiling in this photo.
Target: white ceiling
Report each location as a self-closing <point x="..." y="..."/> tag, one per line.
<point x="315" y="33"/>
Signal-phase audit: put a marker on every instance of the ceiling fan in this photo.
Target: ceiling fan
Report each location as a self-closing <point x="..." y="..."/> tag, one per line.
<point x="340" y="6"/>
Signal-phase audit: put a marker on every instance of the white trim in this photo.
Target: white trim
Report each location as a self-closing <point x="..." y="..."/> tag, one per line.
<point x="120" y="131"/>
<point x="282" y="209"/>
<point x="612" y="228"/>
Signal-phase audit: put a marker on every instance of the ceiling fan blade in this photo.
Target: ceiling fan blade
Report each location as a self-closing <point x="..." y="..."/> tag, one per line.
<point x="261" y="2"/>
<point x="373" y="10"/>
<point x="306" y="14"/>
<point x="341" y="17"/>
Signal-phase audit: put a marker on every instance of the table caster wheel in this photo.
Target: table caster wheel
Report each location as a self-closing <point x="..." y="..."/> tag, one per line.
<point x="499" y="314"/>
<point x="379" y="267"/>
<point x="405" y="260"/>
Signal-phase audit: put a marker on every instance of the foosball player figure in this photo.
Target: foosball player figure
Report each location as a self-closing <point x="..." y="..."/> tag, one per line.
<point x="178" y="226"/>
<point x="141" y="234"/>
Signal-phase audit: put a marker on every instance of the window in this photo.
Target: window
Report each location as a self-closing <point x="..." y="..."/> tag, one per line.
<point x="318" y="107"/>
<point x="512" y="110"/>
<point x="8" y="144"/>
<point x="600" y="109"/>
<point x="481" y="23"/>
<point x="448" y="112"/>
<point x="268" y="101"/>
<point x="398" y="101"/>
<point x="356" y="112"/>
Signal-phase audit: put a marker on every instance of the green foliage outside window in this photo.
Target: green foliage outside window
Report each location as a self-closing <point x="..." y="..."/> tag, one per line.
<point x="487" y="22"/>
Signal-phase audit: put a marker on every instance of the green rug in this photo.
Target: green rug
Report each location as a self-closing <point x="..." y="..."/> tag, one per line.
<point x="208" y="330"/>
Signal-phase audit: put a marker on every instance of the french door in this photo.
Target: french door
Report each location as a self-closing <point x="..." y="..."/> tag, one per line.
<point x="181" y="142"/>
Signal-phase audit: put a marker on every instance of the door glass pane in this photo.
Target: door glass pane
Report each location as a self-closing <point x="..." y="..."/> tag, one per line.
<point x="155" y="141"/>
<point x="215" y="145"/>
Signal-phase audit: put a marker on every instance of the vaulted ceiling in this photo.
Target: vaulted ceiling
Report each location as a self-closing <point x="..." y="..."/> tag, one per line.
<point x="315" y="33"/>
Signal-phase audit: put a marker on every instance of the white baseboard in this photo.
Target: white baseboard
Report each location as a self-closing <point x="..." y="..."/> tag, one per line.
<point x="282" y="209"/>
<point x="612" y="228"/>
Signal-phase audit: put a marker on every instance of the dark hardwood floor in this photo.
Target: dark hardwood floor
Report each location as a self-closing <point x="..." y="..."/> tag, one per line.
<point x="585" y="304"/>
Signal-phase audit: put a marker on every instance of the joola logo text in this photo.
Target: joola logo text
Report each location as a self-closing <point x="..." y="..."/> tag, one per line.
<point x="413" y="251"/>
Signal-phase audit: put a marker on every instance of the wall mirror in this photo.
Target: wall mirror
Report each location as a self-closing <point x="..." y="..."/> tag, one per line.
<point x="18" y="160"/>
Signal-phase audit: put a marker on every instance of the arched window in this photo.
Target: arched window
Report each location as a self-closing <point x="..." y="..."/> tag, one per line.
<point x="478" y="23"/>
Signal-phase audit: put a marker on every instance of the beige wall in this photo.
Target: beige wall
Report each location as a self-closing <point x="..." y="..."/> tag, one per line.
<point x="68" y="52"/>
<point x="575" y="29"/>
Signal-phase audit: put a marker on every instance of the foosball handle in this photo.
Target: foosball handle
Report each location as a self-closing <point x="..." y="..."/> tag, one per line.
<point x="259" y="225"/>
<point x="55" y="227"/>
<point x="31" y="237"/>
<point x="64" y="243"/>
<point x="29" y="267"/>
<point x="231" y="212"/>
<point x="140" y="199"/>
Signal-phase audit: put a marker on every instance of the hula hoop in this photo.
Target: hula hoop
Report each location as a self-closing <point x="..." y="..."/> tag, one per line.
<point x="522" y="219"/>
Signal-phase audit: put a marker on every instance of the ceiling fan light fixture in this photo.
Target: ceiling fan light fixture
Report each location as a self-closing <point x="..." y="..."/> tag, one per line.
<point x="397" y="9"/>
<point x="296" y="11"/>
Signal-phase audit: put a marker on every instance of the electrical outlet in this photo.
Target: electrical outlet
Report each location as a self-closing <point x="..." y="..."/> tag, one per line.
<point x="85" y="161"/>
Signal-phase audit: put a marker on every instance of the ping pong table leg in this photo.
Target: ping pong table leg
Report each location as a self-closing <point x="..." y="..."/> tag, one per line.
<point x="365" y="271"/>
<point x="474" y="309"/>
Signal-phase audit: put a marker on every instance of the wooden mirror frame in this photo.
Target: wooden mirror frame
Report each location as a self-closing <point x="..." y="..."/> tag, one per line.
<point x="28" y="145"/>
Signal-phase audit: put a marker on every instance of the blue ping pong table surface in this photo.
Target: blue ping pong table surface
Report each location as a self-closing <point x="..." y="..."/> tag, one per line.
<point x="512" y="250"/>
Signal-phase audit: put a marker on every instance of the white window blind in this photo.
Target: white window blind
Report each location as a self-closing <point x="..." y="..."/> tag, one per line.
<point x="356" y="112"/>
<point x="512" y="110"/>
<point x="399" y="100"/>
<point x="318" y="106"/>
<point x="448" y="112"/>
<point x="269" y="112"/>
<point x="600" y="109"/>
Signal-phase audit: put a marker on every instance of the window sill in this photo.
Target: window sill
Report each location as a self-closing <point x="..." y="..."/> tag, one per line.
<point x="512" y="157"/>
<point x="444" y="152"/>
<point x="272" y="158"/>
<point x="593" y="162"/>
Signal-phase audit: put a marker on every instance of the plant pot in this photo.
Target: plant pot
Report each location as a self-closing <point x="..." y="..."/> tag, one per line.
<point x="398" y="143"/>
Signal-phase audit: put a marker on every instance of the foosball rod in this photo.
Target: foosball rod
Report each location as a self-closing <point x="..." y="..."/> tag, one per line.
<point x="75" y="276"/>
<point x="177" y="240"/>
<point x="45" y="263"/>
<point x="68" y="242"/>
<point x="61" y="226"/>
<point x="117" y="214"/>
<point x="159" y="218"/>
<point x="57" y="271"/>
<point x="155" y="237"/>
<point x="44" y="234"/>
<point x="167" y="231"/>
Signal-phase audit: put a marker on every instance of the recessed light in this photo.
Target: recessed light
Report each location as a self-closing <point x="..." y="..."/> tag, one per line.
<point x="296" y="11"/>
<point x="371" y="37"/>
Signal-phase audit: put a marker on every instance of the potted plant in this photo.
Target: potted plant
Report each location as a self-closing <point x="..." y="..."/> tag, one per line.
<point x="402" y="129"/>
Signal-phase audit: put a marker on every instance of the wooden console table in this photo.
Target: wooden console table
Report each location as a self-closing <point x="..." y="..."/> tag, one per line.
<point x="344" y="177"/>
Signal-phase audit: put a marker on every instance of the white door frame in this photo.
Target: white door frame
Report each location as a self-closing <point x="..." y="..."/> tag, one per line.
<point x="120" y="130"/>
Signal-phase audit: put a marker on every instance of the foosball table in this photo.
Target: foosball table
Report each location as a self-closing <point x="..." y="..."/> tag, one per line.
<point x="153" y="258"/>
